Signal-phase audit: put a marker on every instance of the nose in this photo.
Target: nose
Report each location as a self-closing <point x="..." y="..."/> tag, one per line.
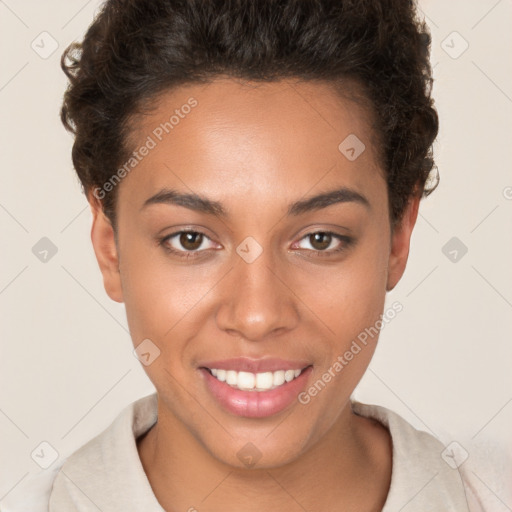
<point x="257" y="300"/>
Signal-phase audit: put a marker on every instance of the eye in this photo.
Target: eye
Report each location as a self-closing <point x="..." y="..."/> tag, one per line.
<point x="320" y="241"/>
<point x="189" y="244"/>
<point x="185" y="244"/>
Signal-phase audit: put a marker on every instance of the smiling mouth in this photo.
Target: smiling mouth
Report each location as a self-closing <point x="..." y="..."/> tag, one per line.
<point x="258" y="382"/>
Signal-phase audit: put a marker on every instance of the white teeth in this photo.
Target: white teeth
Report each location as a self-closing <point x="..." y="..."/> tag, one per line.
<point x="264" y="380"/>
<point x="231" y="378"/>
<point x="279" y="377"/>
<point x="248" y="381"/>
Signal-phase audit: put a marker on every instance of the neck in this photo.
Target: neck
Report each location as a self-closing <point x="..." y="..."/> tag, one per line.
<point x="351" y="464"/>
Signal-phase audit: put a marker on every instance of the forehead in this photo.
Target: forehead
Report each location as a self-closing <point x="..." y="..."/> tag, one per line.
<point x="268" y="140"/>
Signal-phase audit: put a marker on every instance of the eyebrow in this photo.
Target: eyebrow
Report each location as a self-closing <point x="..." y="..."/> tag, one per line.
<point x="208" y="206"/>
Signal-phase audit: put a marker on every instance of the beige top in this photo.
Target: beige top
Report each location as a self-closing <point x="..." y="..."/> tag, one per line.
<point x="106" y="473"/>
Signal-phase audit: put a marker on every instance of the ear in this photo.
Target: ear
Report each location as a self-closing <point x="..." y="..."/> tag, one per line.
<point x="400" y="242"/>
<point x="104" y="244"/>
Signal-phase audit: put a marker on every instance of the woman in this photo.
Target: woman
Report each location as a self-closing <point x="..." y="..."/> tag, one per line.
<point x="254" y="170"/>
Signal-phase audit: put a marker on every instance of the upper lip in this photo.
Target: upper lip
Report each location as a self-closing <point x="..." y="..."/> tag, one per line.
<point x="245" y="364"/>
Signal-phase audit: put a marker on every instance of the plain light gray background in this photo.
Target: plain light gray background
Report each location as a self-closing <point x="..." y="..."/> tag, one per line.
<point x="67" y="366"/>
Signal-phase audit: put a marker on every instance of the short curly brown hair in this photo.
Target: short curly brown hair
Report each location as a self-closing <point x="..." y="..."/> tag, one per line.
<point x="136" y="49"/>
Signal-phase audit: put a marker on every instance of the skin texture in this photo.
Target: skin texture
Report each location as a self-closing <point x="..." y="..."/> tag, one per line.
<point x="256" y="149"/>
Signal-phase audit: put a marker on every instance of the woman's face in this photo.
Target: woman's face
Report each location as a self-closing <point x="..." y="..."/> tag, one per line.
<point x="253" y="289"/>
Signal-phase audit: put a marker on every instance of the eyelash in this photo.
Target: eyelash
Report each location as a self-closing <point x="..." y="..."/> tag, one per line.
<point x="346" y="243"/>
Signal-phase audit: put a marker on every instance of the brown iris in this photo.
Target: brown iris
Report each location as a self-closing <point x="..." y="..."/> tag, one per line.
<point x="322" y="240"/>
<point x="191" y="241"/>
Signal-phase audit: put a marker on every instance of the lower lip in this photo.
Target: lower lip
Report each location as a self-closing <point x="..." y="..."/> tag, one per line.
<point x="256" y="404"/>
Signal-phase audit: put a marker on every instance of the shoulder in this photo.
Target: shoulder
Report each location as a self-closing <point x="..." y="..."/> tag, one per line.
<point x="426" y="475"/>
<point x="32" y="493"/>
<point x="69" y="482"/>
<point x="107" y="471"/>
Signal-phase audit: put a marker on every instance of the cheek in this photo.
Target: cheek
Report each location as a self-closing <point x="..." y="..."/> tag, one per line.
<point x="162" y="303"/>
<point x="351" y="304"/>
<point x="351" y="296"/>
<point x="158" y="295"/>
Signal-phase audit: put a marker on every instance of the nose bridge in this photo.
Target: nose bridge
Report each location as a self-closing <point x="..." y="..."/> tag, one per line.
<point x="256" y="302"/>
